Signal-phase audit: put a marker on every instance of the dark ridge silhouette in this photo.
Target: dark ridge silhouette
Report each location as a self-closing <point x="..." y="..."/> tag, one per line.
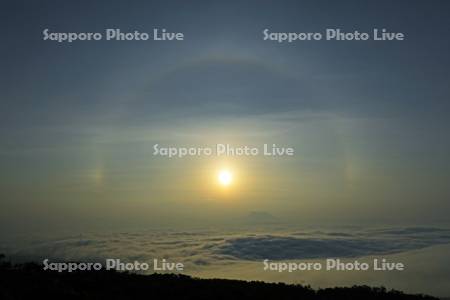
<point x="30" y="281"/>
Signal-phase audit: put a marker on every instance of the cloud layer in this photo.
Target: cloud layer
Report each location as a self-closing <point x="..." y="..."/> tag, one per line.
<point x="198" y="249"/>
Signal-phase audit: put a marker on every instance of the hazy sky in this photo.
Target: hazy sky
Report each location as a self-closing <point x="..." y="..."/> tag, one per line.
<point x="368" y="120"/>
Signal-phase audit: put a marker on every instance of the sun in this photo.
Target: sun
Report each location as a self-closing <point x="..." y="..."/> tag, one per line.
<point x="225" y="177"/>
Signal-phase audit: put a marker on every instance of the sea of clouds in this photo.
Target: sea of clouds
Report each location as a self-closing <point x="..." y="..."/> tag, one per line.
<point x="239" y="253"/>
<point x="213" y="247"/>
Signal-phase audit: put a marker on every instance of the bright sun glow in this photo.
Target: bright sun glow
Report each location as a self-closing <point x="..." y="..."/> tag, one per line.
<point x="225" y="177"/>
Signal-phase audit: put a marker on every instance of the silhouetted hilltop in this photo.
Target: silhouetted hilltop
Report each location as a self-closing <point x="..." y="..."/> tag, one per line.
<point x="30" y="281"/>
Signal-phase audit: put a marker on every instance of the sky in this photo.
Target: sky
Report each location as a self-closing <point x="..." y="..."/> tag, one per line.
<point x="78" y="121"/>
